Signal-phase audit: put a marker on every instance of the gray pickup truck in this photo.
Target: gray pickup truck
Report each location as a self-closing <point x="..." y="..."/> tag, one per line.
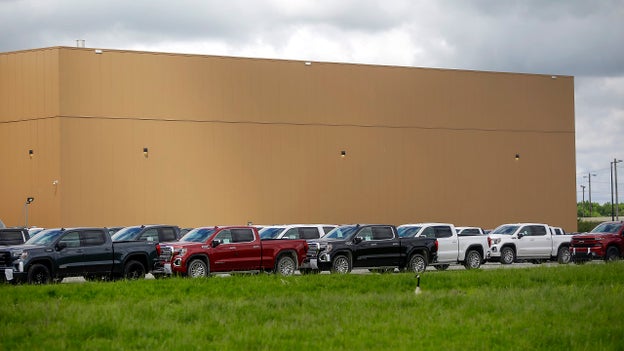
<point x="53" y="254"/>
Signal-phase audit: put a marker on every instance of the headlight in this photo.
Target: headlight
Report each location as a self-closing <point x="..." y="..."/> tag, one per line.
<point x="328" y="248"/>
<point x="19" y="254"/>
<point x="496" y="241"/>
<point x="181" y="252"/>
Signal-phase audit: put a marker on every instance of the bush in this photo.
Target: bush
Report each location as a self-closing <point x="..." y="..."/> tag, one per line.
<point x="586" y="226"/>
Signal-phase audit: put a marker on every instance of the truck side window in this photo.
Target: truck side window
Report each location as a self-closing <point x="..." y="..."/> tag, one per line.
<point x="537" y="230"/>
<point x="308" y="233"/>
<point x="92" y="238"/>
<point x="428" y="233"/>
<point x="242" y="235"/>
<point x="292" y="233"/>
<point x="167" y="234"/>
<point x="327" y="230"/>
<point x="443" y="232"/>
<point x="366" y="234"/>
<point x="150" y="235"/>
<point x="71" y="239"/>
<point x="224" y="236"/>
<point x="382" y="233"/>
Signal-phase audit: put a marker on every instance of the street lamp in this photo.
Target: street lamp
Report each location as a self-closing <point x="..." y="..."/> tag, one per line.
<point x="583" y="202"/>
<point x="588" y="176"/>
<point x="29" y="200"/>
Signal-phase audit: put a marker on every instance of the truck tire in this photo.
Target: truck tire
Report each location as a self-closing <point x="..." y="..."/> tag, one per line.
<point x="197" y="269"/>
<point x="563" y="255"/>
<point x="417" y="263"/>
<point x="508" y="255"/>
<point x="134" y="270"/>
<point x="341" y="265"/>
<point x="441" y="267"/>
<point x="473" y="259"/>
<point x="285" y="266"/>
<point x="38" y="274"/>
<point x="613" y="254"/>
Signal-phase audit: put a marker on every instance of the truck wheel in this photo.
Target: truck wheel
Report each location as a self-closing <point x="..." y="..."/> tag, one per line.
<point x="417" y="263"/>
<point x="473" y="259"/>
<point x="563" y="255"/>
<point x="38" y="274"/>
<point x="197" y="269"/>
<point x="508" y="255"/>
<point x="341" y="265"/>
<point x="134" y="270"/>
<point x="613" y="254"/>
<point x="285" y="266"/>
<point x="441" y="267"/>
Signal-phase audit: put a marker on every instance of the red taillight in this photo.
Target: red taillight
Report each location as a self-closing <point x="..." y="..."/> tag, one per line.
<point x="489" y="241"/>
<point x="436" y="245"/>
<point x="158" y="249"/>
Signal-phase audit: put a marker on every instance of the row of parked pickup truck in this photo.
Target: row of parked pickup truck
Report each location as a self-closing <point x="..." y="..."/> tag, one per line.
<point x="158" y="249"/>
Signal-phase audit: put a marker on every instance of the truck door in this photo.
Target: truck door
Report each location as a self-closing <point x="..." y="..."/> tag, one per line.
<point x="378" y="247"/>
<point x="447" y="242"/>
<point x="238" y="251"/>
<point x="97" y="251"/>
<point x="535" y="241"/>
<point x="70" y="254"/>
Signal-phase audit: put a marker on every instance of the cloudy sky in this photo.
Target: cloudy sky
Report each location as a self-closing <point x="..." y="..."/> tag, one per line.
<point x="584" y="39"/>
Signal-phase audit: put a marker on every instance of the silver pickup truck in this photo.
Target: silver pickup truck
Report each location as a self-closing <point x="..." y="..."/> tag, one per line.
<point x="469" y="250"/>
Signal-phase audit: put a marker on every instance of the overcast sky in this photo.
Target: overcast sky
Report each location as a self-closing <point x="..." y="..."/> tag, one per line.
<point x="584" y="39"/>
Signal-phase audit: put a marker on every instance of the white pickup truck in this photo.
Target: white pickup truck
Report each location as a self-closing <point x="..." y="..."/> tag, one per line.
<point x="469" y="250"/>
<point x="528" y="241"/>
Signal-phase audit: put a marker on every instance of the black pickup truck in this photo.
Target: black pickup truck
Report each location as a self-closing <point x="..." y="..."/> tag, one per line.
<point x="377" y="247"/>
<point x="89" y="252"/>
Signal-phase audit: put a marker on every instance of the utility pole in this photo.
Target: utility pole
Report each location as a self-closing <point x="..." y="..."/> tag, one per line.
<point x="583" y="202"/>
<point x="617" y="205"/>
<point x="588" y="176"/>
<point x="611" y="174"/>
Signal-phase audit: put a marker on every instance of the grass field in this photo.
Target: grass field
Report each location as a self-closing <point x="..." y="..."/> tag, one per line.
<point x="548" y="308"/>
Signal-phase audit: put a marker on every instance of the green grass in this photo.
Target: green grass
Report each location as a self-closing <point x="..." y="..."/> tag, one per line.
<point x="549" y="308"/>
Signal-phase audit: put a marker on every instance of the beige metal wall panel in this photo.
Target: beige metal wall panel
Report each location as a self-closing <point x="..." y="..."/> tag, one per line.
<point x="23" y="176"/>
<point x="28" y="84"/>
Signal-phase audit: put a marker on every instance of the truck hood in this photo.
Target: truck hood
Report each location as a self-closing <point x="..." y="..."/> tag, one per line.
<point x="181" y="244"/>
<point x="21" y="247"/>
<point x="590" y="236"/>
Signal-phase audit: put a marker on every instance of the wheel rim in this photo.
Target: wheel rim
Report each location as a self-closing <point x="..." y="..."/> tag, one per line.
<point x="198" y="269"/>
<point x="341" y="265"/>
<point x="40" y="277"/>
<point x="286" y="266"/>
<point x="417" y="264"/>
<point x="474" y="260"/>
<point x="508" y="256"/>
<point x="135" y="272"/>
<point x="565" y="256"/>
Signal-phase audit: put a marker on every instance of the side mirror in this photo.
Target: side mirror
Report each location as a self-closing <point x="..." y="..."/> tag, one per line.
<point x="61" y="246"/>
<point x="216" y="243"/>
<point x="520" y="235"/>
<point x="357" y="240"/>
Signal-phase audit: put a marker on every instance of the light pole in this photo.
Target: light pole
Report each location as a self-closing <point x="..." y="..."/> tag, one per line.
<point x="28" y="201"/>
<point x="617" y="205"/>
<point x="588" y="176"/>
<point x="583" y="202"/>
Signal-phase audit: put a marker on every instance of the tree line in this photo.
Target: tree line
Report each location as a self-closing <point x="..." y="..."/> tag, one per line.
<point x="597" y="210"/>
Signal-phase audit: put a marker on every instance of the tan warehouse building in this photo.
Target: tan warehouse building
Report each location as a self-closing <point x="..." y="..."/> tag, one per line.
<point x="110" y="137"/>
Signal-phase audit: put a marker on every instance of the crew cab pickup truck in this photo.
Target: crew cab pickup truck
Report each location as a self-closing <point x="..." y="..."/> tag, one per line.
<point x="207" y="250"/>
<point x="54" y="254"/>
<point x="453" y="248"/>
<point x="528" y="241"/>
<point x="605" y="242"/>
<point x="375" y="246"/>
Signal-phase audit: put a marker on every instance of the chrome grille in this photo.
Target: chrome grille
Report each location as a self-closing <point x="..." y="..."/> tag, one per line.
<point x="166" y="252"/>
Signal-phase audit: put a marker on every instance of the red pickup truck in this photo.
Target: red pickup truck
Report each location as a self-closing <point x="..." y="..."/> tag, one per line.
<point x="606" y="242"/>
<point x="208" y="250"/>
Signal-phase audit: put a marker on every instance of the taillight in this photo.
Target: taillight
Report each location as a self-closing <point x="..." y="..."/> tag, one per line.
<point x="489" y="241"/>
<point x="436" y="245"/>
<point x="158" y="249"/>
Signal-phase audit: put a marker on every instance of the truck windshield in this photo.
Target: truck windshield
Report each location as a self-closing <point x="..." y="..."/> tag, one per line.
<point x="197" y="235"/>
<point x="505" y="229"/>
<point x="612" y="228"/>
<point x="342" y="232"/>
<point x="44" y="237"/>
<point x="406" y="232"/>
<point x="128" y="233"/>
<point x="270" y="232"/>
